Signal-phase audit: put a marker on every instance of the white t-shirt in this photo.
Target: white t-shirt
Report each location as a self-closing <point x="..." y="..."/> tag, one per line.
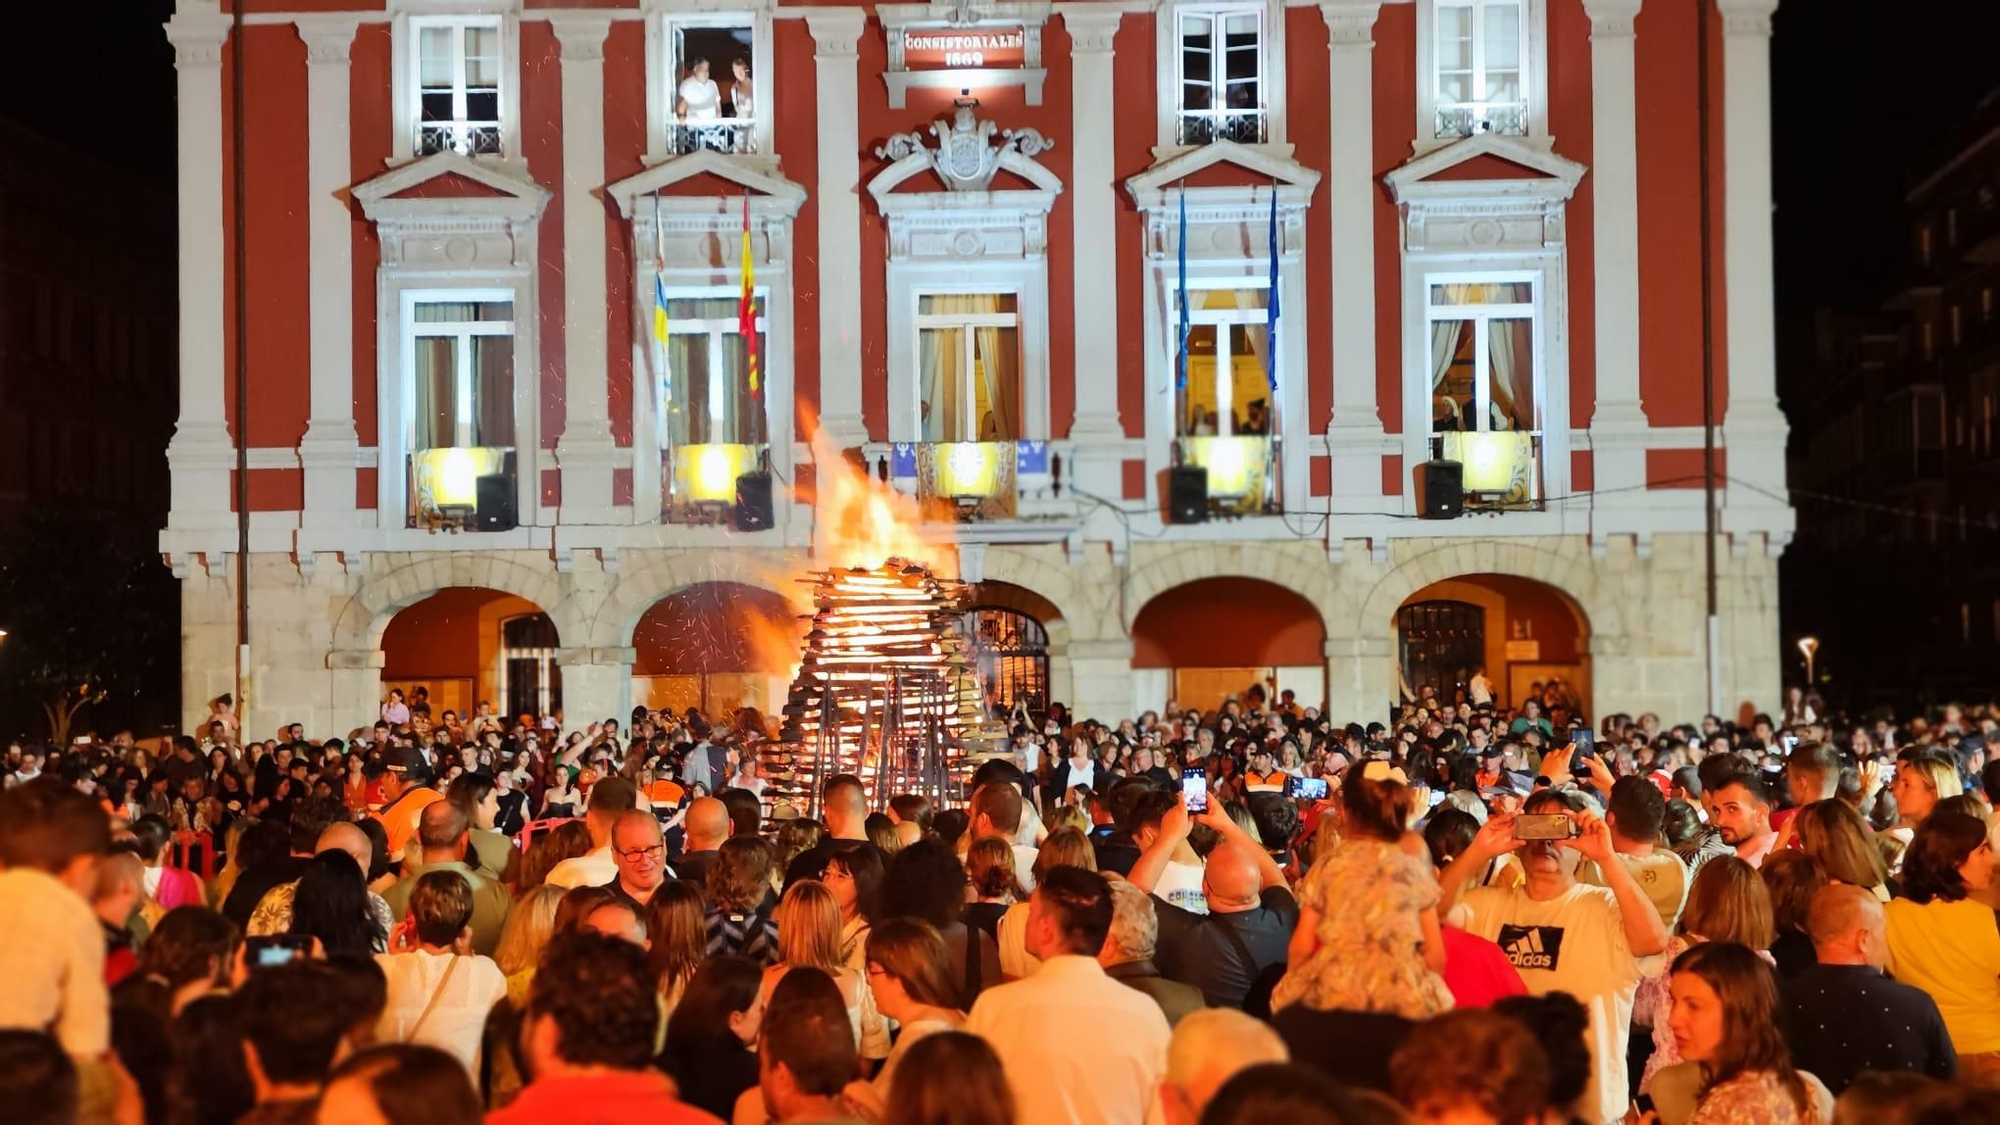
<point x="1572" y="943"/>
<point x="457" y="1021"/>
<point x="703" y="98"/>
<point x="1180" y="884"/>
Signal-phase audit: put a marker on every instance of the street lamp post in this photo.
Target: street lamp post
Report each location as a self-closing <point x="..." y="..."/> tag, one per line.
<point x="1809" y="646"/>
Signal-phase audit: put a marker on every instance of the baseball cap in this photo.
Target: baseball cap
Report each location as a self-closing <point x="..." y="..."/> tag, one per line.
<point x="405" y="760"/>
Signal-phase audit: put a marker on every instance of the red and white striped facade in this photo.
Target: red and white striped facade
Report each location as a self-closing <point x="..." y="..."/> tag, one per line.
<point x="1588" y="200"/>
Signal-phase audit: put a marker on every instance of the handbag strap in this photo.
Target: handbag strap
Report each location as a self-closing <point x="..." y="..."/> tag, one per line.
<point x="436" y="994"/>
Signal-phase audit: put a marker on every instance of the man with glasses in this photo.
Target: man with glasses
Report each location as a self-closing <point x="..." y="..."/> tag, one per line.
<point x="641" y="856"/>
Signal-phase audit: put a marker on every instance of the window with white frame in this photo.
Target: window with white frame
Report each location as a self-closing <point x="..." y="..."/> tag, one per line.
<point x="707" y="397"/>
<point x="711" y="100"/>
<point x="1221" y="62"/>
<point x="1480" y="60"/>
<point x="456" y="77"/>
<point x="458" y="396"/>
<point x="1229" y="389"/>
<point x="1481" y="353"/>
<point x="969" y="367"/>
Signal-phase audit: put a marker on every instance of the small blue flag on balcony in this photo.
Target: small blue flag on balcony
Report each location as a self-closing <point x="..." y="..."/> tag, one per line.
<point x="903" y="460"/>
<point x="1031" y="458"/>
<point x="1271" y="315"/>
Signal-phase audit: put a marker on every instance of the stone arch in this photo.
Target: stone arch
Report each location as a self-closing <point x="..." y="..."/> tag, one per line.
<point x="667" y="574"/>
<point x="1048" y="582"/>
<point x="367" y="614"/>
<point x="1303" y="570"/>
<point x="1575" y="578"/>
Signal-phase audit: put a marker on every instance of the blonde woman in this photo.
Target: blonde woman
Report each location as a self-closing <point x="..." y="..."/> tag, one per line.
<point x="1065" y="847"/>
<point x="1923" y="778"/>
<point x="809" y="936"/>
<point x="530" y="924"/>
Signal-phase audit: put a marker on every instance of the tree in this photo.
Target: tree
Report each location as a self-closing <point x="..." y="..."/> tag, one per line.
<point x="92" y="624"/>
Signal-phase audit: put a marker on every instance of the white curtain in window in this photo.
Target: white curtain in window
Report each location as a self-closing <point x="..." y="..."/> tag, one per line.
<point x="1445" y="337"/>
<point x="997" y="359"/>
<point x="990" y="415"/>
<point x="1511" y="374"/>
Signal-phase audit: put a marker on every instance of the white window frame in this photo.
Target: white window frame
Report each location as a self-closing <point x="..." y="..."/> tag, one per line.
<point x="1225" y="381"/>
<point x="662" y="71"/>
<point x="717" y="329"/>
<point x="462" y="333"/>
<point x="406" y="108"/>
<point x="1482" y="317"/>
<point x="919" y="321"/>
<point x="1271" y="60"/>
<point x="1534" y="71"/>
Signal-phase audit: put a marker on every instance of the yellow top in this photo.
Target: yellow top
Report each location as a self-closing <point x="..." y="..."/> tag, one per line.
<point x="1952" y="951"/>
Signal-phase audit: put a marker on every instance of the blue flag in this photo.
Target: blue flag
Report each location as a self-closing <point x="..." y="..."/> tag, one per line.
<point x="1271" y="314"/>
<point x="1181" y="375"/>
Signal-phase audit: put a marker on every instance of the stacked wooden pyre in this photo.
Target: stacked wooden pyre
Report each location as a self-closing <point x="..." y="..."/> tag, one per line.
<point x="886" y="690"/>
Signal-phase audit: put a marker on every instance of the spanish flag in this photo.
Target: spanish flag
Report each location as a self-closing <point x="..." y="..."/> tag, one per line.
<point x="746" y="310"/>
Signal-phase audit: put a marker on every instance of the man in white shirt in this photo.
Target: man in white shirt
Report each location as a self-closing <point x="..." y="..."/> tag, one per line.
<point x="609" y="799"/>
<point x="1566" y="936"/>
<point x="1104" y="1077"/>
<point x="52" y="839"/>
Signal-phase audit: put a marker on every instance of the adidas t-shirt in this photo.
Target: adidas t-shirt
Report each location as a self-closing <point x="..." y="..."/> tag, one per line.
<point x="1572" y="943"/>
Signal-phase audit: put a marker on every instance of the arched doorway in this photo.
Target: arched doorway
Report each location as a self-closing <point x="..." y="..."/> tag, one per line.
<point x="467" y="645"/>
<point x="1202" y="642"/>
<point x="1531" y="638"/>
<point x="1011" y="632"/>
<point x="716" y="646"/>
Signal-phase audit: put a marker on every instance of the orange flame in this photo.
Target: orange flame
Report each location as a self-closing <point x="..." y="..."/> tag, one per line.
<point x="863" y="522"/>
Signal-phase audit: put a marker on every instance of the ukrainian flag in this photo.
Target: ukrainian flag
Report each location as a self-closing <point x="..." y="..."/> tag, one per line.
<point x="660" y="310"/>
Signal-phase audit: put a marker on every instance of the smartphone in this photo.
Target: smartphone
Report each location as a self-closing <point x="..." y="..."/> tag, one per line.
<point x="1583" y="741"/>
<point x="1307" y="788"/>
<point x="1789" y="741"/>
<point x="1544" y="826"/>
<point x="1194" y="786"/>
<point x="275" y="949"/>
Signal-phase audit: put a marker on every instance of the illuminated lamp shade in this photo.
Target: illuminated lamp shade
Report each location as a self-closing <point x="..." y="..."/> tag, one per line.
<point x="1235" y="464"/>
<point x="969" y="469"/>
<point x="1499" y="462"/>
<point x="707" y="473"/>
<point x="449" y="478"/>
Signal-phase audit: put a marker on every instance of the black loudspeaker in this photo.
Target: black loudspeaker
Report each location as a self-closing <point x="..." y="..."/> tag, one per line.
<point x="1187" y="494"/>
<point x="1442" y="490"/>
<point x="494" y="495"/>
<point x="753" y="502"/>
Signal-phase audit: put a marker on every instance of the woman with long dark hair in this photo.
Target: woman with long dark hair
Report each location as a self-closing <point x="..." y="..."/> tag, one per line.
<point x="854" y="875"/>
<point x="1726" y="1020"/>
<point x="950" y="1078"/>
<point x="1944" y="941"/>
<point x="711" y="1032"/>
<point x="332" y="905"/>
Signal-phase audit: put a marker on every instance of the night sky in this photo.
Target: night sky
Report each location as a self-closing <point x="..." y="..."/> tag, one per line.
<point x="1867" y="97"/>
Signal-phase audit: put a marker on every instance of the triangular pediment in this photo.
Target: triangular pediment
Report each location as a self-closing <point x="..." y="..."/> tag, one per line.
<point x="699" y="178"/>
<point x="447" y="175"/>
<point x="1485" y="165"/>
<point x="1221" y="170"/>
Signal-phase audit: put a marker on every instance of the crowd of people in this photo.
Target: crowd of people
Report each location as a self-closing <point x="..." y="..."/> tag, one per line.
<point x="1470" y="913"/>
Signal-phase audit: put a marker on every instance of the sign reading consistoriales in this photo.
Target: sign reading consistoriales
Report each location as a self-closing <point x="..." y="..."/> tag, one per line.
<point x="964" y="48"/>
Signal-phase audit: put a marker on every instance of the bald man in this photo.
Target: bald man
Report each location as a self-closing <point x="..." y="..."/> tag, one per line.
<point x="274" y="911"/>
<point x="121" y="886"/>
<point x="442" y="841"/>
<point x="1843" y="1016"/>
<point x="705" y="827"/>
<point x="1241" y="942"/>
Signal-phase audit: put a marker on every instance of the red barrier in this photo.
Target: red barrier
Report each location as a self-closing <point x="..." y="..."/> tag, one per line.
<point x="528" y="831"/>
<point x="184" y="845"/>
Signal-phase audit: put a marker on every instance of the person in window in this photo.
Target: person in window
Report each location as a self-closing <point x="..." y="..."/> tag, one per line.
<point x="700" y="101"/>
<point x="741" y="103"/>
<point x="1258" y="418"/>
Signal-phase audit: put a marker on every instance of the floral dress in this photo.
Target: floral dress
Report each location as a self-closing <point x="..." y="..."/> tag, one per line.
<point x="1653" y="1006"/>
<point x="1370" y="897"/>
<point x="1756" y="1098"/>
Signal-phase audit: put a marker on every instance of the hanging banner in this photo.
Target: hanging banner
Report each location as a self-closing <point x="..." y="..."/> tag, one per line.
<point x="966" y="48"/>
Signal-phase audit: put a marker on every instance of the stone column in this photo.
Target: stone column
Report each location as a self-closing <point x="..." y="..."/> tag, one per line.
<point x="596" y="684"/>
<point x="201" y="454"/>
<point x="1354" y="431"/>
<point x="1093" y="196"/>
<point x="1360" y="676"/>
<point x="1753" y="427"/>
<point x="1101" y="679"/>
<point x="330" y="448"/>
<point x="836" y="34"/>
<point x="586" y="451"/>
<point x="1618" y="424"/>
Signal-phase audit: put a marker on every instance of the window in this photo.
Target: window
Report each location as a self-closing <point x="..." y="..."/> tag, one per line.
<point x="1228" y="392"/>
<point x="1011" y="650"/>
<point x="1482" y="356"/>
<point x="710" y="92"/>
<point x="1221" y="53"/>
<point x="1481" y="67"/>
<point x="969" y="367"/>
<point x="462" y="377"/>
<point x="533" y="679"/>
<point x="457" y="75"/>
<point x="708" y="397"/>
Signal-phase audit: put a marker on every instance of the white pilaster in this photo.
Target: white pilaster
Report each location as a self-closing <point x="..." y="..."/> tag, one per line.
<point x="1097" y="431"/>
<point x="1618" y="423"/>
<point x="201" y="454"/>
<point x="836" y="35"/>
<point x="1354" y="432"/>
<point x="586" y="451"/>
<point x="1753" y="427"/>
<point x="330" y="449"/>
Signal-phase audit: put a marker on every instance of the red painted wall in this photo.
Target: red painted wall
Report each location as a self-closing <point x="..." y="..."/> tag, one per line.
<point x="796" y="132"/>
<point x="1134" y="75"/>
<point x="1306" y="96"/>
<point x="541" y="143"/>
<point x="624" y="143"/>
<point x="1395" y="114"/>
<point x="370" y="142"/>
<point x="1228" y="623"/>
<point x="1570" y="122"/>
